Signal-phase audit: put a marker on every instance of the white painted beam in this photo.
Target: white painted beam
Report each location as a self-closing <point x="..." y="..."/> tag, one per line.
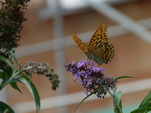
<point x="122" y="19"/>
<point x="50" y="45"/>
<point x="54" y="102"/>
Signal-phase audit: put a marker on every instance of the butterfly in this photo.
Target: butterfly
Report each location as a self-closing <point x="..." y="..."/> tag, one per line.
<point x="98" y="49"/>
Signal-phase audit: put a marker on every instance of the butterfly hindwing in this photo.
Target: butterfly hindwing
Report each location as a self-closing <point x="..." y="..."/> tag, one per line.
<point x="109" y="52"/>
<point x="103" y="54"/>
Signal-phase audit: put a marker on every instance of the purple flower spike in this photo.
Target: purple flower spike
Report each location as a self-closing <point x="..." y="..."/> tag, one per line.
<point x="91" y="77"/>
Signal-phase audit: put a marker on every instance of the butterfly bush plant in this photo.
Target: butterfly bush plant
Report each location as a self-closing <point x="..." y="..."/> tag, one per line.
<point x="11" y="71"/>
<point x="95" y="82"/>
<point x="93" y="79"/>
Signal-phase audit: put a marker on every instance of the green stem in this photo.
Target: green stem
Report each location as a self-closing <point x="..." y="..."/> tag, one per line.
<point x="115" y="102"/>
<point x="15" y="73"/>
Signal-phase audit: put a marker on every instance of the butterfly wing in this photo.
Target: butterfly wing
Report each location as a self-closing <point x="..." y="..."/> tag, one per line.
<point x="83" y="46"/>
<point x="99" y="49"/>
<point x="96" y="55"/>
<point x="99" y="37"/>
<point x="104" y="53"/>
<point x="109" y="52"/>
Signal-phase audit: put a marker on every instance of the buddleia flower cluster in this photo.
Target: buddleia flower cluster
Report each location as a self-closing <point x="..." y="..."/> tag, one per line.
<point x="41" y="68"/>
<point x="11" y="19"/>
<point x="91" y="77"/>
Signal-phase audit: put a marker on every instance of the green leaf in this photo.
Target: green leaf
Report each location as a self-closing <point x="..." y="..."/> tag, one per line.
<point x="14" y="57"/>
<point x="82" y="102"/>
<point x="4" y="108"/>
<point x="120" y="77"/>
<point x="7" y="61"/>
<point x="142" y="110"/>
<point x="117" y="101"/>
<point x="5" y="82"/>
<point x="145" y="105"/>
<point x="146" y="101"/>
<point x="1" y="73"/>
<point x="8" y="79"/>
<point x="15" y="86"/>
<point x="27" y="82"/>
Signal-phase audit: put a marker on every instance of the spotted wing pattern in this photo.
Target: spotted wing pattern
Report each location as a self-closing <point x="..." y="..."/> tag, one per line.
<point x="99" y="37"/>
<point x="103" y="54"/>
<point x="98" y="49"/>
<point x="82" y="45"/>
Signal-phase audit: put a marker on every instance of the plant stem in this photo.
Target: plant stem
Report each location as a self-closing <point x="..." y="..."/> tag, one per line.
<point x="115" y="102"/>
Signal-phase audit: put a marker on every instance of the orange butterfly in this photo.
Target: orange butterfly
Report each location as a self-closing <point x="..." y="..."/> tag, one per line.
<point x="98" y="49"/>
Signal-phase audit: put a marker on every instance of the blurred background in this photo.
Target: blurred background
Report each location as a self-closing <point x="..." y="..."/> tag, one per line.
<point x="46" y="37"/>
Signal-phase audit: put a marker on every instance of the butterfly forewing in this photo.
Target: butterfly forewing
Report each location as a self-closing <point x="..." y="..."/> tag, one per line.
<point x="82" y="45"/>
<point x="99" y="37"/>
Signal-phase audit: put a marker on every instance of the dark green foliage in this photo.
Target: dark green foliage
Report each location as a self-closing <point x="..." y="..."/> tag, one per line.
<point x="11" y="72"/>
<point x="4" y="108"/>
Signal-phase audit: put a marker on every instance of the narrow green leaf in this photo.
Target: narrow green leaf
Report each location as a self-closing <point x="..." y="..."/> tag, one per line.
<point x="142" y="110"/>
<point x="4" y="108"/>
<point x="146" y="101"/>
<point x="15" y="86"/>
<point x="14" y="57"/>
<point x="10" y="78"/>
<point x="82" y="102"/>
<point x="7" y="61"/>
<point x="145" y="105"/>
<point x="5" y="82"/>
<point x="120" y="77"/>
<point x="117" y="101"/>
<point x="1" y="73"/>
<point x="27" y="82"/>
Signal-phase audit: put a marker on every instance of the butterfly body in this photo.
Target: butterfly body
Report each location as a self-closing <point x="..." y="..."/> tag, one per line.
<point x="98" y="49"/>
